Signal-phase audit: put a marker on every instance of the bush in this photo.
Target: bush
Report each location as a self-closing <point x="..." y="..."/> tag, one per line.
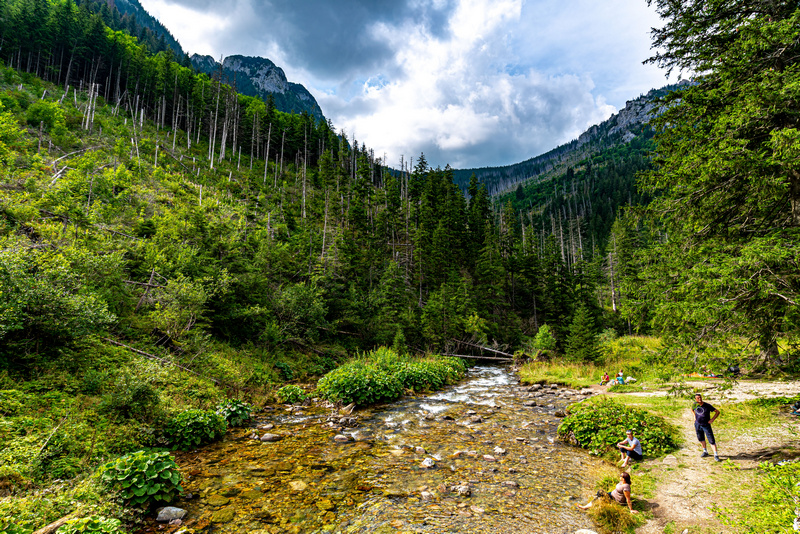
<point x="544" y="339"/>
<point x="600" y="424"/>
<point x="382" y="375"/>
<point x="142" y="478"/>
<point x="289" y="394"/>
<point x="8" y="525"/>
<point x="92" y="525"/>
<point x="131" y="398"/>
<point x="359" y="383"/>
<point x="192" y="428"/>
<point x="234" y="411"/>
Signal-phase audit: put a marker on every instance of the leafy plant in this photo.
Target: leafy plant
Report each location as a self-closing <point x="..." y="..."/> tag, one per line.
<point x="92" y="525"/>
<point x="8" y="525"/>
<point x="381" y="376"/>
<point x="132" y="397"/>
<point x="143" y="477"/>
<point x="235" y="411"/>
<point x="599" y="424"/>
<point x="289" y="394"/>
<point x="192" y="428"/>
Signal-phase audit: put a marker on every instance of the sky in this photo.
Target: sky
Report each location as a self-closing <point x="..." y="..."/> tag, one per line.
<point x="469" y="83"/>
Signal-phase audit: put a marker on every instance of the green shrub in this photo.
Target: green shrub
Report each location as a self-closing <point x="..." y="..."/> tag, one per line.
<point x="360" y="383"/>
<point x="142" y="477"/>
<point x="49" y="113"/>
<point x="544" y="339"/>
<point x="131" y="398"/>
<point x="289" y="394"/>
<point x="92" y="525"/>
<point x="192" y="428"/>
<point x="94" y="381"/>
<point x="599" y="424"/>
<point x="234" y="411"/>
<point x="381" y="376"/>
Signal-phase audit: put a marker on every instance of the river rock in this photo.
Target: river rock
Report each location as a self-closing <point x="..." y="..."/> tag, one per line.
<point x="553" y="386"/>
<point x="395" y="492"/>
<point x="463" y="490"/>
<point x="266" y="426"/>
<point x="230" y="492"/>
<point x="325" y="505"/>
<point x="499" y="450"/>
<point x="297" y="486"/>
<point x="428" y="463"/>
<point x="471" y="412"/>
<point x="271" y="437"/>
<point x="529" y="404"/>
<point x="476" y="419"/>
<point x="342" y="438"/>
<point x="217" y="500"/>
<point x="347" y="410"/>
<point x="489" y="458"/>
<point x="426" y="496"/>
<point x="170" y="513"/>
<point x="251" y="495"/>
<point x="560" y="413"/>
<point x="224" y="515"/>
<point x="420" y="450"/>
<point x="510" y="484"/>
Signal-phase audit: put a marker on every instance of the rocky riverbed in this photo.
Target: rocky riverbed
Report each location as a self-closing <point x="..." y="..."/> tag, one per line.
<point x="480" y="457"/>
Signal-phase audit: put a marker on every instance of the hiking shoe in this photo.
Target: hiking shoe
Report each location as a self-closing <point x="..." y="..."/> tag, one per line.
<point x="704" y="455"/>
<point x="717" y="458"/>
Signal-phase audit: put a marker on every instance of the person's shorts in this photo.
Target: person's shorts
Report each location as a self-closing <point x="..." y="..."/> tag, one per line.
<point x="704" y="432"/>
<point x="633" y="455"/>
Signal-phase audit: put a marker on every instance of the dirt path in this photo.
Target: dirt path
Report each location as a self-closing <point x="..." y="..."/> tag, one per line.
<point x="688" y="486"/>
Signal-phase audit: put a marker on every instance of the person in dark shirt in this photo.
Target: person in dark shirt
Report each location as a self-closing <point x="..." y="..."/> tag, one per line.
<point x="704" y="415"/>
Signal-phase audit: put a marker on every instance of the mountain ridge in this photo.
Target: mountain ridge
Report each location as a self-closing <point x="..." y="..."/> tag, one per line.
<point x="260" y="77"/>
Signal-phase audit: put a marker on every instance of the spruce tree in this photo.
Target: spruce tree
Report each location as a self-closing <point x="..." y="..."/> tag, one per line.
<point x="582" y="343"/>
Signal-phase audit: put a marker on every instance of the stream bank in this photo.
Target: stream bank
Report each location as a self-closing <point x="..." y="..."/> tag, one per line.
<point x="481" y="456"/>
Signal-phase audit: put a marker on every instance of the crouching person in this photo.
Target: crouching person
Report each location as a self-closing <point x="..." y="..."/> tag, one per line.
<point x="630" y="448"/>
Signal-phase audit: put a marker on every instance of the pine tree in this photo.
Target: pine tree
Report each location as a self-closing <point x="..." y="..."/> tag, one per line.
<point x="582" y="342"/>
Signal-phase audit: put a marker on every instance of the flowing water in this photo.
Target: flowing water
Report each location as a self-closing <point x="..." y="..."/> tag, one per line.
<point x="481" y="456"/>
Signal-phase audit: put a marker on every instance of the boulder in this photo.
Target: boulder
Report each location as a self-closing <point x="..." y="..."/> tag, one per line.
<point x="170" y="513"/>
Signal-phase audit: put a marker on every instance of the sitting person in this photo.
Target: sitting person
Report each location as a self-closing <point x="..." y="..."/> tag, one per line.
<point x="630" y="448"/>
<point x="621" y="378"/>
<point x="620" y="494"/>
<point x="605" y="380"/>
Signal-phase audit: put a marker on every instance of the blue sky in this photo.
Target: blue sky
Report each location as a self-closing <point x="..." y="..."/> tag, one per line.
<point x="468" y="82"/>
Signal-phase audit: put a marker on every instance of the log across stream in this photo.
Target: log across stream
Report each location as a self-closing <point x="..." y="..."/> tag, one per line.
<point x="481" y="456"/>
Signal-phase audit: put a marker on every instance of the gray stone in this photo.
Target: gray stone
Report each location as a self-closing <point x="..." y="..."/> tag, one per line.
<point x="342" y="438"/>
<point x="170" y="513"/>
<point x="428" y="463"/>
<point x="271" y="437"/>
<point x="463" y="490"/>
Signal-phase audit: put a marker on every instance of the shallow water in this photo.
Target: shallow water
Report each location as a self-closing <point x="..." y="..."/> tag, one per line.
<point x="478" y="435"/>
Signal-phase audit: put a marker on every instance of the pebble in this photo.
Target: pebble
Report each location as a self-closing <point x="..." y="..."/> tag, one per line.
<point x="499" y="450"/>
<point x="298" y="485"/>
<point x="428" y="463"/>
<point x="462" y="490"/>
<point x="427" y="496"/>
<point x="271" y="437"/>
<point x="420" y="450"/>
<point x="342" y="438"/>
<point x="489" y="458"/>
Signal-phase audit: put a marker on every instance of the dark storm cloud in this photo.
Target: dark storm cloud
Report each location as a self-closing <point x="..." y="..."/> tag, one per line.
<point x="331" y="39"/>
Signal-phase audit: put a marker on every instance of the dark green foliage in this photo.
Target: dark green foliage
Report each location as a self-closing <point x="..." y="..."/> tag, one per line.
<point x="726" y="177"/>
<point x="142" y="478"/>
<point x="92" y="525"/>
<point x="235" y="412"/>
<point x="192" y="428"/>
<point x="599" y="424"/>
<point x="582" y="343"/>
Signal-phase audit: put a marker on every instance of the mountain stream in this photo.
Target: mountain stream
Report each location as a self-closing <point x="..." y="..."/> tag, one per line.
<point x="481" y="456"/>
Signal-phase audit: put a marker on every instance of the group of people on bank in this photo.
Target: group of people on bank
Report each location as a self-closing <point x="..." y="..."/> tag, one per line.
<point x="631" y="450"/>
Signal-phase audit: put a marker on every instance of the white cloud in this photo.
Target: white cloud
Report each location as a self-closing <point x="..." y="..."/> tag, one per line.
<point x="468" y="82"/>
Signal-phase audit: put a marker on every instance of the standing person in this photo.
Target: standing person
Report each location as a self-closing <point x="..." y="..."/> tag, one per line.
<point x="630" y="448"/>
<point x="620" y="494"/>
<point x="704" y="415"/>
